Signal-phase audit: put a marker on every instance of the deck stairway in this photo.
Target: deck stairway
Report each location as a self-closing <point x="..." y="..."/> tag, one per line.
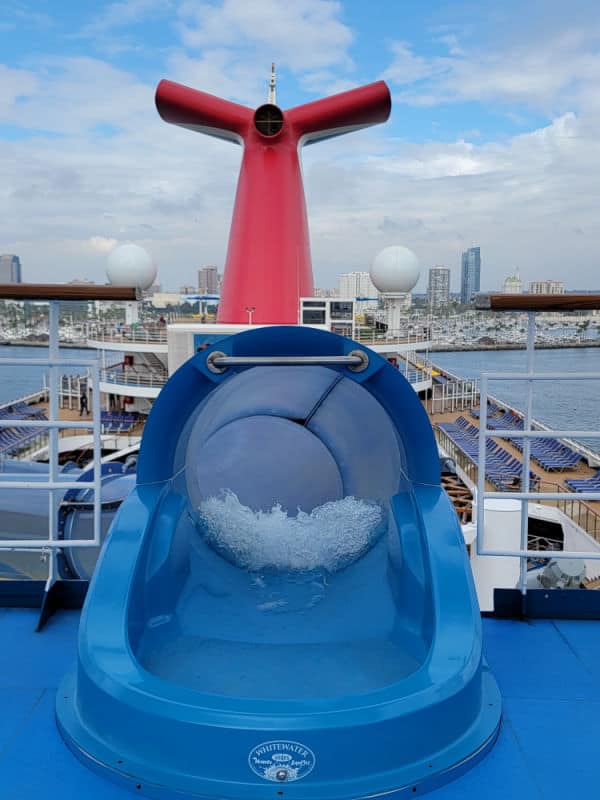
<point x="155" y="364"/>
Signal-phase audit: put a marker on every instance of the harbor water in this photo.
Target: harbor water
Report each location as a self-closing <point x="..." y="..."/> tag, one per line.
<point x="16" y="382"/>
<point x="559" y="404"/>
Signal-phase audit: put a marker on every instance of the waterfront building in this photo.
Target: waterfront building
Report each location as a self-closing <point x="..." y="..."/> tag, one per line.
<point x="10" y="269"/>
<point x="438" y="290"/>
<point x="359" y="285"/>
<point x="512" y="284"/>
<point x="547" y="287"/>
<point x="470" y="274"/>
<point x="208" y="280"/>
<point x="165" y="299"/>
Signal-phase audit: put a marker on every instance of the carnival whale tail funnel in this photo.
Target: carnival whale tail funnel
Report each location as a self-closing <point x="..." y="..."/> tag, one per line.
<point x="268" y="265"/>
<point x="284" y="606"/>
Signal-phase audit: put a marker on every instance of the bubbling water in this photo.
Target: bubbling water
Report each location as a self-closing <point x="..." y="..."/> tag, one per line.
<point x="328" y="538"/>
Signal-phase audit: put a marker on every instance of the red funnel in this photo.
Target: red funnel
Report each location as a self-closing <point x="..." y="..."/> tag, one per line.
<point x="268" y="266"/>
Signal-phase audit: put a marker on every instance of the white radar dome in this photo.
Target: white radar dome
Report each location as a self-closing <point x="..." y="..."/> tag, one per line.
<point x="395" y="269"/>
<point x="130" y="265"/>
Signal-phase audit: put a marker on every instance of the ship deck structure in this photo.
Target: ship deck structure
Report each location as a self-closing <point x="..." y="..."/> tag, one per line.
<point x="208" y="665"/>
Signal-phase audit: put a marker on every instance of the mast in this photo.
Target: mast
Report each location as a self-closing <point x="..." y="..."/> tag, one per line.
<point x="272" y="98"/>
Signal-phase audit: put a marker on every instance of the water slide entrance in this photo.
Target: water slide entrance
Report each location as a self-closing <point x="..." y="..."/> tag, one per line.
<point x="284" y="606"/>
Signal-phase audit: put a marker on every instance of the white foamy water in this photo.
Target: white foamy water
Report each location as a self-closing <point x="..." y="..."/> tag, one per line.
<point x="329" y="537"/>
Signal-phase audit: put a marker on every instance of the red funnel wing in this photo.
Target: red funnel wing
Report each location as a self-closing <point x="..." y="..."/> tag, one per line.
<point x="202" y="112"/>
<point x="341" y="113"/>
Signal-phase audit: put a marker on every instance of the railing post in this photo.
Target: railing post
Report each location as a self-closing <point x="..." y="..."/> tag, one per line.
<point x="97" y="448"/>
<point x="53" y="353"/>
<point x="527" y="450"/>
<point x="481" y="463"/>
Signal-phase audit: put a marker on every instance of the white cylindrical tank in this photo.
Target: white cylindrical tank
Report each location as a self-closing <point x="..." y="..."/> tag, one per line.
<point x="502" y="524"/>
<point x="130" y="265"/>
<point x="395" y="270"/>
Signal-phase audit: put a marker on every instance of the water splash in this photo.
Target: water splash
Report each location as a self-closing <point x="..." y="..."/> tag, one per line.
<point x="328" y="538"/>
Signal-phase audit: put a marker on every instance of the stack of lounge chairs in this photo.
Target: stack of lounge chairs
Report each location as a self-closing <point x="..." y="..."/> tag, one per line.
<point x="15" y="438"/>
<point x="113" y="422"/>
<point x="502" y="470"/>
<point x="491" y="409"/>
<point x="550" y="454"/>
<point x="586" y="484"/>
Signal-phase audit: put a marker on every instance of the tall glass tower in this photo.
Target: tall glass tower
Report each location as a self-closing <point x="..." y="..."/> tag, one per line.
<point x="10" y="269"/>
<point x="471" y="272"/>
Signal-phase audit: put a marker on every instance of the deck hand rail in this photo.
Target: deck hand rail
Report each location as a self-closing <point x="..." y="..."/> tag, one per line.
<point x="528" y="492"/>
<point x="52" y="543"/>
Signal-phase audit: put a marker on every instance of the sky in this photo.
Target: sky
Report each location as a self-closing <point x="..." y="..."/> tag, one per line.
<point x="493" y="140"/>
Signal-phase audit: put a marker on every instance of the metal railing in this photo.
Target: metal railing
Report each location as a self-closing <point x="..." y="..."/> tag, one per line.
<point x="461" y="459"/>
<point x="590" y="455"/>
<point x="580" y="512"/>
<point x="378" y="338"/>
<point x="54" y="485"/>
<point x="458" y="395"/>
<point x="527" y="493"/>
<point x="129" y="376"/>
<point x="128" y="334"/>
<point x="26" y="398"/>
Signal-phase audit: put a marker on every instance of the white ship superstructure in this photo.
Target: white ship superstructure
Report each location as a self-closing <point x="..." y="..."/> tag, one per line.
<point x="134" y="364"/>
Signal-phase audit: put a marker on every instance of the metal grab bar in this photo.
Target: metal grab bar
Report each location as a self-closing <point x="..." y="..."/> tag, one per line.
<point x="217" y="362"/>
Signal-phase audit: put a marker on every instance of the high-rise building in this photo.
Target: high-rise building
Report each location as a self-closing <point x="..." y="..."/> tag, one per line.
<point x="470" y="274"/>
<point x="355" y="285"/>
<point x="438" y="290"/>
<point x="10" y="269"/>
<point x="546" y="287"/>
<point x="208" y="280"/>
<point x="512" y="284"/>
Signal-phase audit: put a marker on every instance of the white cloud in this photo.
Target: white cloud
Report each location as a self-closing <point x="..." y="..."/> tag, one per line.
<point x="452" y="42"/>
<point x="74" y="95"/>
<point x="407" y="68"/>
<point x="541" y="73"/>
<point x="220" y="72"/>
<point x="530" y="202"/>
<point x="326" y="82"/>
<point x="16" y="85"/>
<point x="303" y="35"/>
<point x="101" y="244"/>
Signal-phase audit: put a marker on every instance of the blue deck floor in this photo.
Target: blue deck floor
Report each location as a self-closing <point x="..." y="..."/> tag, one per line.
<point x="549" y="746"/>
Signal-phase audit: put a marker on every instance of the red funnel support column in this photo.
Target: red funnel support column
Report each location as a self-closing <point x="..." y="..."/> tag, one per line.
<point x="268" y="265"/>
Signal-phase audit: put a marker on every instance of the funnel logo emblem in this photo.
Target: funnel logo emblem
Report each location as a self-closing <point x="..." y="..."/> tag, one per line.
<point x="281" y="761"/>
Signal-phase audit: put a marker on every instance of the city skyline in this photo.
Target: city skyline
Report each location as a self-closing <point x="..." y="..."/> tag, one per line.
<point x="491" y="139"/>
<point x="350" y="284"/>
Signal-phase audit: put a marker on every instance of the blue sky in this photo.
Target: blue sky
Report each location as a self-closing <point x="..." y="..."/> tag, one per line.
<point x="493" y="138"/>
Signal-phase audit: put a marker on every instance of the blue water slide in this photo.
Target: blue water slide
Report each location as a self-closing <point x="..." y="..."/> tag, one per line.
<point x="284" y="607"/>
